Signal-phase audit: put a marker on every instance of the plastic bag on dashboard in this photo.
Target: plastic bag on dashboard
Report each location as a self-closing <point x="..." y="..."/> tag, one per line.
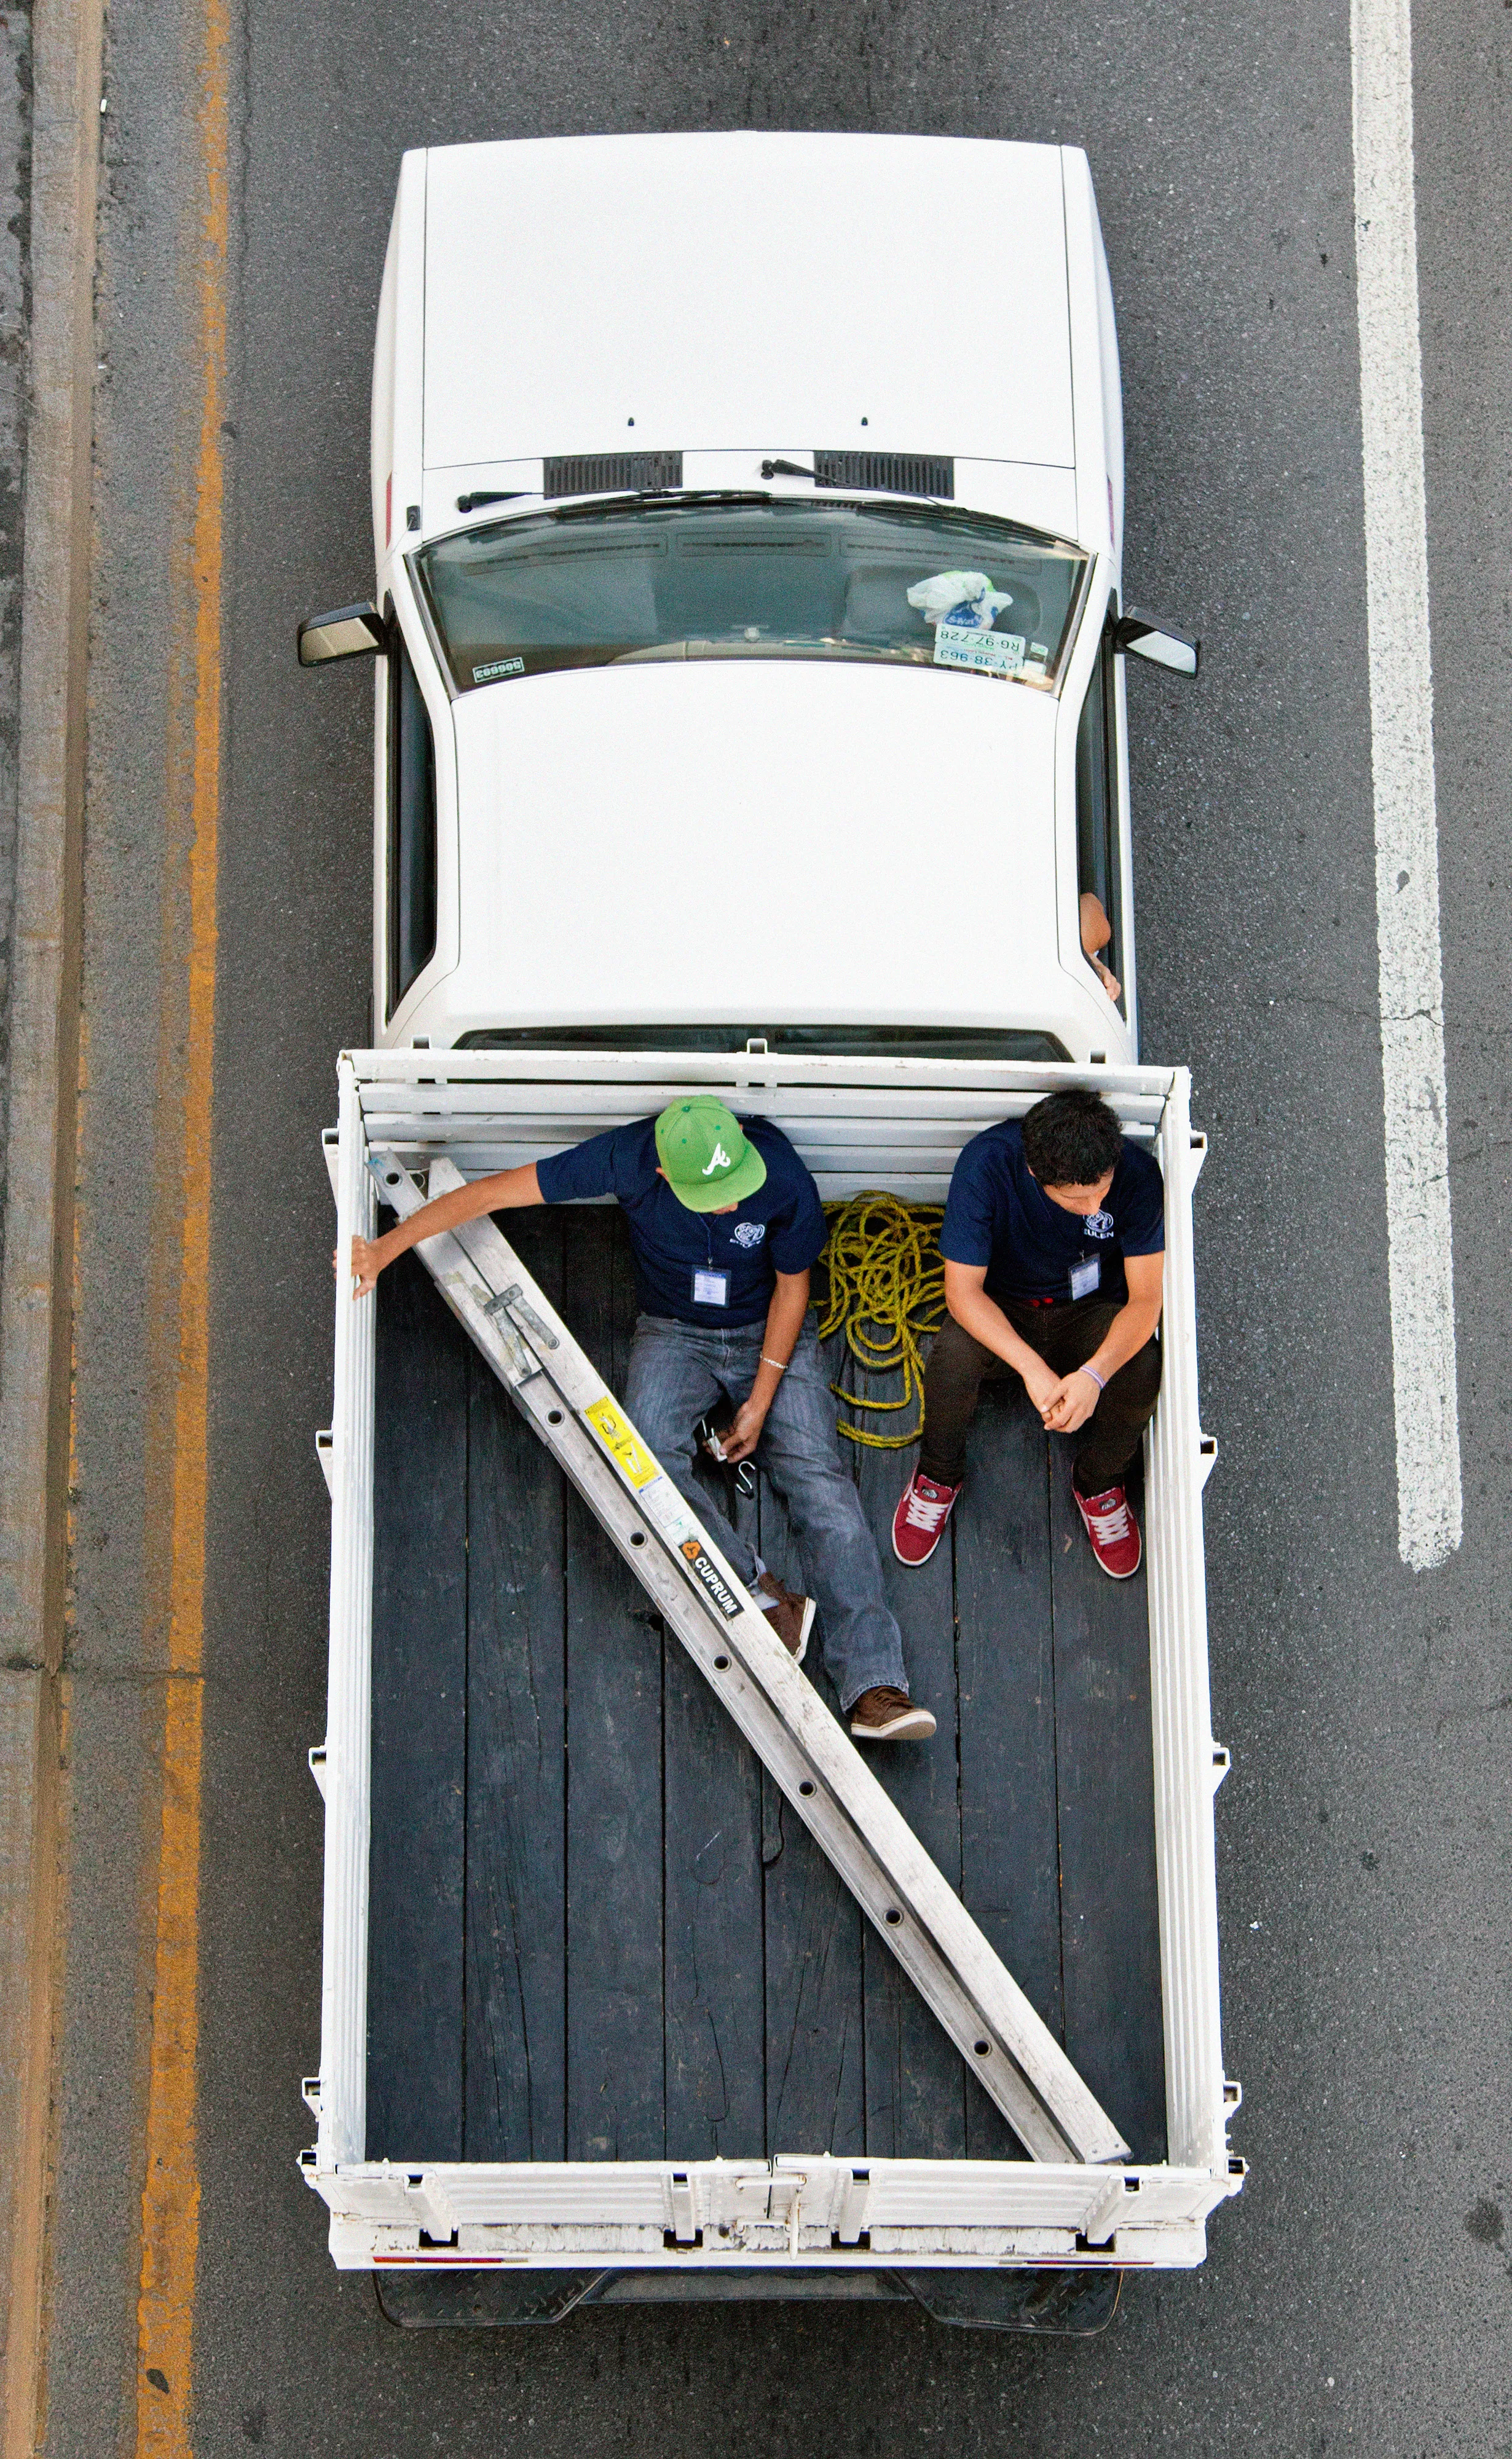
<point x="967" y="599"/>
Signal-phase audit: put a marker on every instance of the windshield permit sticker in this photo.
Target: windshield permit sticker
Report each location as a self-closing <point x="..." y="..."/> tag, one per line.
<point x="982" y="653"/>
<point x="500" y="667"/>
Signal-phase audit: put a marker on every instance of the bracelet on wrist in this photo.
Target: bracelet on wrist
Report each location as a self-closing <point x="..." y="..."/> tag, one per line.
<point x="1100" y="1380"/>
<point x="781" y="1363"/>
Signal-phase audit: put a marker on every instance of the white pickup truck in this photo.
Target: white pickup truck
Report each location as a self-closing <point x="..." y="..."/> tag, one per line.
<point x="750" y="716"/>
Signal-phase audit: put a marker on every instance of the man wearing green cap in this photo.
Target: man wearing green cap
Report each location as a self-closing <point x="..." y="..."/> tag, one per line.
<point x="725" y="1225"/>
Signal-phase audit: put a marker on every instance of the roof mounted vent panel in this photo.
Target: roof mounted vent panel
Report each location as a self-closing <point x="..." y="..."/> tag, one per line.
<point x="891" y="474"/>
<point x="610" y="474"/>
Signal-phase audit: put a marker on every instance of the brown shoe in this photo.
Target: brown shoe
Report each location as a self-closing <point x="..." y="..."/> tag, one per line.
<point x="792" y="1617"/>
<point x="887" y="1714"/>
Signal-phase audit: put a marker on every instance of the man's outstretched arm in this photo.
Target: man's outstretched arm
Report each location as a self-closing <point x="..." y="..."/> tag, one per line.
<point x="506" y="1192"/>
<point x="785" y="1321"/>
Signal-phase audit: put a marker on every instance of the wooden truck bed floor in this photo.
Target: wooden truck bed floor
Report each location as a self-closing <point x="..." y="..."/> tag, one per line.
<point x="596" y="1932"/>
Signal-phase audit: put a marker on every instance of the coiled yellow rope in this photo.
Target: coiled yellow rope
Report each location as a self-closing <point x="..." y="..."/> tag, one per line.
<point x="885" y="1289"/>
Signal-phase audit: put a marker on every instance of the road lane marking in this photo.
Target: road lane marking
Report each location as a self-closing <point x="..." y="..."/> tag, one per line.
<point x="170" y="2222"/>
<point x="1419" y="1243"/>
<point x="46" y="783"/>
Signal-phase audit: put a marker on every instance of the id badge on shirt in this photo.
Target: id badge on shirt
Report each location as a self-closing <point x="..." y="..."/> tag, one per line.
<point x="1086" y="1276"/>
<point x="710" y="1288"/>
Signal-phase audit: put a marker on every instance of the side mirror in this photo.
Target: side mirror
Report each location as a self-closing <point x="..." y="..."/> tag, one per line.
<point x="1150" y="636"/>
<point x="346" y="632"/>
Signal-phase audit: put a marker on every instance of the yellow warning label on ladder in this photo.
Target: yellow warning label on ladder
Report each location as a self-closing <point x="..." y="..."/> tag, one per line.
<point x="620" y="1441"/>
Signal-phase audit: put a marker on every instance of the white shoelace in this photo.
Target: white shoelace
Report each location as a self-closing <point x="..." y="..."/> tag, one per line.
<point x="925" y="1514"/>
<point x="1108" y="1526"/>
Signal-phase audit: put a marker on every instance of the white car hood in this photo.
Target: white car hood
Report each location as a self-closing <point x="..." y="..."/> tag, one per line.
<point x="756" y="841"/>
<point x="603" y="294"/>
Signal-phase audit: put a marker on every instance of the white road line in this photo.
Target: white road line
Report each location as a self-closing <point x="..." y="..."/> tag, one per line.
<point x="1417" y="1224"/>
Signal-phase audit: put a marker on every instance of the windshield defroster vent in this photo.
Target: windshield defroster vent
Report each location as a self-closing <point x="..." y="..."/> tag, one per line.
<point x="893" y="473"/>
<point x="610" y="474"/>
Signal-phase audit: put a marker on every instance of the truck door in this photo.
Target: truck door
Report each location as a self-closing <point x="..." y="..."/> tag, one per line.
<point x="411" y="838"/>
<point x="1098" y="864"/>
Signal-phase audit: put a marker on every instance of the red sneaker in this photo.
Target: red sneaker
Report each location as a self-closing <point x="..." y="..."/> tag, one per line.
<point x="918" y="1524"/>
<point x="1112" y="1528"/>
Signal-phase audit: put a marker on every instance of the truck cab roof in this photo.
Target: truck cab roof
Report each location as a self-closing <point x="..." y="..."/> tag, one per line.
<point x="789" y="844"/>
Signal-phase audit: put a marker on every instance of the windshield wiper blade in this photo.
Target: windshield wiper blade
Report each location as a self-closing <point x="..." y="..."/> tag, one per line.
<point x="852" y="485"/>
<point x="693" y="496"/>
<point x="596" y="508"/>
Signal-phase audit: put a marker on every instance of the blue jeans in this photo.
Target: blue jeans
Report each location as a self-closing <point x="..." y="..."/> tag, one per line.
<point x="677" y="1373"/>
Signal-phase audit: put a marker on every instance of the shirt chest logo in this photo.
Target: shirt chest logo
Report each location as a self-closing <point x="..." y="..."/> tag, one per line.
<point x="1099" y="1225"/>
<point x="748" y="1233"/>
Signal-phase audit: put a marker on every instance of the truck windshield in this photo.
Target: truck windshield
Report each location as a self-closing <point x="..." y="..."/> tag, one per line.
<point x="630" y="582"/>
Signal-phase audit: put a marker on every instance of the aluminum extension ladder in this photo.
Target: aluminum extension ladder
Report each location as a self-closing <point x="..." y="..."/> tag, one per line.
<point x="1011" y="2051"/>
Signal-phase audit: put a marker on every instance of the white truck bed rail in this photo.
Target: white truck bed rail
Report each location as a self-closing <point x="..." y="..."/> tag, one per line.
<point x="857" y="1124"/>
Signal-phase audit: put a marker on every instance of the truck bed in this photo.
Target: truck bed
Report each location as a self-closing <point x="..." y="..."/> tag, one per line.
<point x="595" y="1931"/>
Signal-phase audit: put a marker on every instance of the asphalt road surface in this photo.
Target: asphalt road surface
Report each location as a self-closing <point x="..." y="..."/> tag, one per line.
<point x="1359" y="2294"/>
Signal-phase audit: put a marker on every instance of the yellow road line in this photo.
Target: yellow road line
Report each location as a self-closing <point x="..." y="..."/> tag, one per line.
<point x="170" y="2224"/>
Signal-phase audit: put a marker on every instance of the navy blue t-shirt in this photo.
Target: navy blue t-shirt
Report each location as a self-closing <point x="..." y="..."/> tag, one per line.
<point x="779" y="1229"/>
<point x="999" y="1215"/>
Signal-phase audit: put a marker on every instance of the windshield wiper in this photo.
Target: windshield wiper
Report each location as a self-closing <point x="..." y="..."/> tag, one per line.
<point x="598" y="506"/>
<point x="488" y="495"/>
<point x="848" y="486"/>
<point x="594" y="507"/>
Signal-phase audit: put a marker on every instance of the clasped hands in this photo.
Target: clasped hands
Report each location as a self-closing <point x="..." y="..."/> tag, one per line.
<point x="1065" y="1401"/>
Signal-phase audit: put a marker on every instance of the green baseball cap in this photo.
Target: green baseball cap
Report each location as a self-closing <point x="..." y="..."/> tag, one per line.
<point x="706" y="1161"/>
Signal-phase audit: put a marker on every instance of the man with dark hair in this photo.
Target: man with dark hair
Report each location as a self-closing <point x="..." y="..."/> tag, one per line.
<point x="725" y="1221"/>
<point x="1054" y="1243"/>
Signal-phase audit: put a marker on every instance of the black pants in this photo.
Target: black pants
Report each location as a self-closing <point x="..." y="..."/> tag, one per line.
<point x="1065" y="1336"/>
